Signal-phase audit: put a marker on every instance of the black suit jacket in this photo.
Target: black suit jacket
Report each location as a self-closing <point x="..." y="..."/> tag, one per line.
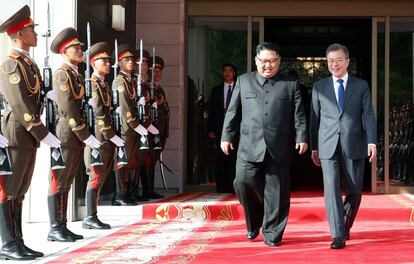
<point x="216" y="111"/>
<point x="270" y="114"/>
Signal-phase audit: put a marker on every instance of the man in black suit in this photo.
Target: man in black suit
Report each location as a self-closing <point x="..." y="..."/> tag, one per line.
<point x="219" y="101"/>
<point x="267" y="106"/>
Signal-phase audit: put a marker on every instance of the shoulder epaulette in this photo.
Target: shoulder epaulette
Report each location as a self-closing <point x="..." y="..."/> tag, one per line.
<point x="8" y="66"/>
<point x="61" y="75"/>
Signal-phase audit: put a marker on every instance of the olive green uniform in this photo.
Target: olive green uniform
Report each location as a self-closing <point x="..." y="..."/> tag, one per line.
<point x="71" y="128"/>
<point x="101" y="92"/>
<point x="127" y="90"/>
<point x="24" y="130"/>
<point x="163" y="121"/>
<point x="21" y="125"/>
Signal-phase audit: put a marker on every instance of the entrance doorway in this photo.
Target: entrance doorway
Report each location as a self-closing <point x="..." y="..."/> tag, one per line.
<point x="303" y="42"/>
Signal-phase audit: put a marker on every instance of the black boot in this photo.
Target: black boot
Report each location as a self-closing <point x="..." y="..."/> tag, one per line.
<point x="119" y="200"/>
<point x="17" y="209"/>
<point x="150" y="174"/>
<point x="65" y="197"/>
<point x="91" y="220"/>
<point x="56" y="233"/>
<point x="11" y="249"/>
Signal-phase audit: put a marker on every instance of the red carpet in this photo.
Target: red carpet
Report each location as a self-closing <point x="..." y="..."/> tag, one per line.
<point x="209" y="228"/>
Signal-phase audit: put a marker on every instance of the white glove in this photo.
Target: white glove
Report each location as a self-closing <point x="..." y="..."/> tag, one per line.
<point x="141" y="130"/>
<point x="92" y="142"/>
<point x="1" y="87"/>
<point x="141" y="100"/>
<point x="155" y="105"/>
<point x="51" y="141"/>
<point x="118" y="110"/>
<point x="4" y="143"/>
<point x="51" y="95"/>
<point x="117" y="141"/>
<point x="92" y="102"/>
<point x="153" y="130"/>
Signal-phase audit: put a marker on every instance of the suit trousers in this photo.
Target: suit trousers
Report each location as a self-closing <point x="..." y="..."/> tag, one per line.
<point x="341" y="213"/>
<point x="263" y="189"/>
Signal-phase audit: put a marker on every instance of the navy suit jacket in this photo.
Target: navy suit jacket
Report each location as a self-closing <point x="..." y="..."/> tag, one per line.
<point x="354" y="127"/>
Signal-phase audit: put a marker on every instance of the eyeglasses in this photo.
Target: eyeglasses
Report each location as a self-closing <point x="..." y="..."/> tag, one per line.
<point x="337" y="60"/>
<point x="271" y="61"/>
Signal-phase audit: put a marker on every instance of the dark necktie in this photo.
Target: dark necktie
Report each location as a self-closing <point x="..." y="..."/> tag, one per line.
<point x="341" y="94"/>
<point x="228" y="97"/>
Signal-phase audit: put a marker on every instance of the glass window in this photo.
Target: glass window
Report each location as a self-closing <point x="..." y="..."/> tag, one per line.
<point x="401" y="101"/>
<point x="212" y="42"/>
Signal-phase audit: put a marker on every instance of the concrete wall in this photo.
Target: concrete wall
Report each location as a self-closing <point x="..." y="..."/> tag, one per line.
<point x="162" y="23"/>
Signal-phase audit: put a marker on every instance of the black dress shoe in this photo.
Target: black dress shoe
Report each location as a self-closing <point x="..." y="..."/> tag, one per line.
<point x="121" y="200"/>
<point x="272" y="243"/>
<point x="93" y="222"/>
<point x="70" y="233"/>
<point x="28" y="251"/>
<point x="14" y="251"/>
<point x="56" y="234"/>
<point x="152" y="195"/>
<point x="338" y="243"/>
<point x="251" y="235"/>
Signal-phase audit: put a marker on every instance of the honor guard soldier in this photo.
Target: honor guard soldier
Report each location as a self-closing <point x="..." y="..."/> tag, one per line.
<point x="132" y="130"/>
<point x="22" y="128"/>
<point x="143" y="151"/>
<point x="104" y="131"/>
<point x="71" y="129"/>
<point x="162" y="112"/>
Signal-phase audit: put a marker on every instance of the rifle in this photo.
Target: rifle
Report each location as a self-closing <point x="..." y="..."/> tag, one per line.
<point x="153" y="110"/>
<point x="121" y="155"/>
<point x="96" y="159"/>
<point x="56" y="155"/>
<point x="5" y="164"/>
<point x="143" y="143"/>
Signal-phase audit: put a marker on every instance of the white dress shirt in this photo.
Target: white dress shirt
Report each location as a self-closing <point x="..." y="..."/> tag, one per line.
<point x="336" y="84"/>
<point x="226" y="90"/>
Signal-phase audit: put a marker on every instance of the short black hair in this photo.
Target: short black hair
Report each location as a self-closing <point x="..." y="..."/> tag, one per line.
<point x="268" y="46"/>
<point x="336" y="47"/>
<point x="229" y="65"/>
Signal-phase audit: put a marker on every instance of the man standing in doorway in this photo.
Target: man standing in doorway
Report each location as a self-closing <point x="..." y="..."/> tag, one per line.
<point x="267" y="106"/>
<point x="219" y="102"/>
<point x="343" y="134"/>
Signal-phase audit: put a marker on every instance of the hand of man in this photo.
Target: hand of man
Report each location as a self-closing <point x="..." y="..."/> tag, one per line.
<point x="92" y="102"/>
<point x="211" y="135"/>
<point x="153" y="130"/>
<point x="141" y="101"/>
<point x="226" y="147"/>
<point x="140" y="129"/>
<point x="51" y="95"/>
<point x="315" y="158"/>
<point x="92" y="142"/>
<point x="302" y="147"/>
<point x="117" y="141"/>
<point x="372" y="152"/>
<point x="4" y="143"/>
<point x="51" y="140"/>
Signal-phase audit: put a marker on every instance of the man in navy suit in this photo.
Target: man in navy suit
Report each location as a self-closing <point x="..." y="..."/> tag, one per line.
<point x="343" y="134"/>
<point x="219" y="101"/>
